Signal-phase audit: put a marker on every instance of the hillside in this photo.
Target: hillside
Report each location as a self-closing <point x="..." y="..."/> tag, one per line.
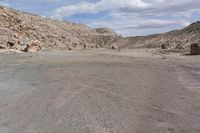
<point x="177" y="39"/>
<point x="19" y="29"/>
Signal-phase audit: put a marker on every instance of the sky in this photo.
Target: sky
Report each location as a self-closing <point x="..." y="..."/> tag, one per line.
<point x="126" y="17"/>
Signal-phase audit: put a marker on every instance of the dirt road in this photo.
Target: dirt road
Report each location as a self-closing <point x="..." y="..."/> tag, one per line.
<point x="99" y="92"/>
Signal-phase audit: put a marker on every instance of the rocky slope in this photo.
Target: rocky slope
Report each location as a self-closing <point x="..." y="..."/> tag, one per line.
<point x="21" y="31"/>
<point x="178" y="39"/>
<point x="26" y="32"/>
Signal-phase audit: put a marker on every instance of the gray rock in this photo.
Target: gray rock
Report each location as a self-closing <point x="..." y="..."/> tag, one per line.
<point x="195" y="49"/>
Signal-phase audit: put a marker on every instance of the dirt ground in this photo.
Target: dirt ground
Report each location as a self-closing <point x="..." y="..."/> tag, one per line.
<point x="99" y="91"/>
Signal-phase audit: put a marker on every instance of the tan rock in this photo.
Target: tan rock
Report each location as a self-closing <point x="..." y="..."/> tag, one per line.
<point x="179" y="46"/>
<point x="164" y="46"/>
<point x="11" y="43"/>
<point x="98" y="46"/>
<point x="34" y="46"/>
<point x="16" y="35"/>
<point x="114" y="47"/>
<point x="2" y="46"/>
<point x="20" y="47"/>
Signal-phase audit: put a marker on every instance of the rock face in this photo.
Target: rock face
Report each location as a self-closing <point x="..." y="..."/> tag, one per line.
<point x="178" y="39"/>
<point x="195" y="49"/>
<point x="18" y="29"/>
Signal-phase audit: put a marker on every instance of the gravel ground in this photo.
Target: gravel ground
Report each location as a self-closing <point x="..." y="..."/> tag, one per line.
<point x="99" y="91"/>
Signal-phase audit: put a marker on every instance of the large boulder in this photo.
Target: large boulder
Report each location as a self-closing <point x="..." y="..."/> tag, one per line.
<point x="164" y="46"/>
<point x="12" y="43"/>
<point x="33" y="46"/>
<point x="114" y="47"/>
<point x="195" y="49"/>
<point x="2" y="46"/>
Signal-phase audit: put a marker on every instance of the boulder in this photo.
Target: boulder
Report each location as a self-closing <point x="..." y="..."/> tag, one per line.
<point x="2" y="46"/>
<point x="97" y="46"/>
<point x="164" y="46"/>
<point x="70" y="48"/>
<point x="84" y="46"/>
<point x="16" y="35"/>
<point x="114" y="47"/>
<point x="195" y="49"/>
<point x="20" y="47"/>
<point x="11" y="43"/>
<point x="33" y="46"/>
<point x="179" y="46"/>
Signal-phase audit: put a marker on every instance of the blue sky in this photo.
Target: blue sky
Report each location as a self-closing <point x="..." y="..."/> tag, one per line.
<point x="127" y="17"/>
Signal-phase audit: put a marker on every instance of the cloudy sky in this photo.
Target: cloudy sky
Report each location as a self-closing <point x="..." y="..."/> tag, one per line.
<point x="127" y="17"/>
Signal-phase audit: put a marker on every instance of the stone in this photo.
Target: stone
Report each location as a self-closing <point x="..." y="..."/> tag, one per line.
<point x="84" y="46"/>
<point x="97" y="46"/>
<point x="195" y="49"/>
<point x="16" y="35"/>
<point x="11" y="43"/>
<point x="20" y="47"/>
<point x="70" y="48"/>
<point x="164" y="46"/>
<point x="179" y="46"/>
<point x="2" y="46"/>
<point x="33" y="46"/>
<point x="114" y="47"/>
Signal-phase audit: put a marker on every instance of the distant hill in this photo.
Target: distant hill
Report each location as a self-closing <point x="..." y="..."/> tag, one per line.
<point x="19" y="29"/>
<point x="177" y="39"/>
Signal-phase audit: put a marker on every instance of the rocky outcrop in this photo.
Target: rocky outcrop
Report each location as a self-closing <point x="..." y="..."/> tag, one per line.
<point x="19" y="29"/>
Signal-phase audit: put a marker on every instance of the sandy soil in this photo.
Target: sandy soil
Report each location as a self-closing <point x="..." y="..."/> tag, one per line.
<point x="99" y="91"/>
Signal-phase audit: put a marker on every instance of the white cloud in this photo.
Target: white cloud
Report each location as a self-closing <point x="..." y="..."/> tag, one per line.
<point x="127" y="15"/>
<point x="188" y="13"/>
<point x="128" y="24"/>
<point x="130" y="6"/>
<point x="154" y="23"/>
<point x="103" y="5"/>
<point x="4" y="3"/>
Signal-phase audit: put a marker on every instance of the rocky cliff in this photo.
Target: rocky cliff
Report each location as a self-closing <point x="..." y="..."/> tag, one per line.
<point x="19" y="30"/>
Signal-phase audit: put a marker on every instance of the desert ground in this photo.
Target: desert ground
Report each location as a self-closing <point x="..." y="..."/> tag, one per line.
<point x="99" y="91"/>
